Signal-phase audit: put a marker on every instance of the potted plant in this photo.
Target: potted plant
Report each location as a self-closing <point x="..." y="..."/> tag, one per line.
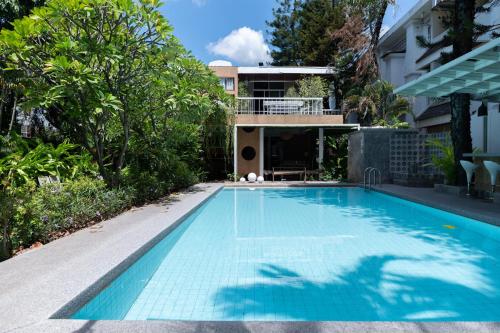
<point x="445" y="162"/>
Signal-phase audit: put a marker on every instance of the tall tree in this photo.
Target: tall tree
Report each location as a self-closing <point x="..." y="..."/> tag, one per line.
<point x="284" y="33"/>
<point x="318" y="20"/>
<point x="463" y="26"/>
<point x="11" y="10"/>
<point x="358" y="37"/>
<point x="83" y="61"/>
<point x="462" y="33"/>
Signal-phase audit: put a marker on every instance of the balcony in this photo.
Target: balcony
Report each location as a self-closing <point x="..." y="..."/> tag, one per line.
<point x="285" y="111"/>
<point x="283" y="106"/>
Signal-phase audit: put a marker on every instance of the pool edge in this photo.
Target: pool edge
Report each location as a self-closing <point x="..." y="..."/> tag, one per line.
<point x="443" y="207"/>
<point x="86" y="295"/>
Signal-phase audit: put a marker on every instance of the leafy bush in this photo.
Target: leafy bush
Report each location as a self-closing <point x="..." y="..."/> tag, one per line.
<point x="313" y="86"/>
<point x="59" y="208"/>
<point x="23" y="165"/>
<point x="376" y="104"/>
<point x="20" y="165"/>
<point x="445" y="161"/>
<point x="335" y="160"/>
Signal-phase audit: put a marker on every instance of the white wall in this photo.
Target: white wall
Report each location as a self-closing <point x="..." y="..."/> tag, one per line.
<point x="493" y="127"/>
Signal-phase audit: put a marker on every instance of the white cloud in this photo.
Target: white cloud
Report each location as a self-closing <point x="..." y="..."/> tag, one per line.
<point x="244" y="45"/>
<point x="199" y="3"/>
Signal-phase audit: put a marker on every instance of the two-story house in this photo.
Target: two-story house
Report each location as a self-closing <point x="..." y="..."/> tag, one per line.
<point x="402" y="60"/>
<point x="273" y="132"/>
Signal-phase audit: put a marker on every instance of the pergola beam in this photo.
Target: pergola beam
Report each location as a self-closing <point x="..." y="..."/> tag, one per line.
<point x="477" y="73"/>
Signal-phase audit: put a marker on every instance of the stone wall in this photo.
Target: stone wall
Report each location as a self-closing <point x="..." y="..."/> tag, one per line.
<point x="402" y="156"/>
<point x="369" y="147"/>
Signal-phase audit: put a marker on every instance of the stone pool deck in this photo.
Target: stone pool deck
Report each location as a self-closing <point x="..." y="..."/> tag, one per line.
<point x="474" y="208"/>
<point x="52" y="281"/>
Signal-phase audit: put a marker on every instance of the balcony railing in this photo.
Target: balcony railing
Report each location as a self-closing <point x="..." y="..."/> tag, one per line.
<point x="282" y="106"/>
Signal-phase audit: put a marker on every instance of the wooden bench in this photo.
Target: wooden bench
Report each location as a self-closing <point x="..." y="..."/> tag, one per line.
<point x="289" y="171"/>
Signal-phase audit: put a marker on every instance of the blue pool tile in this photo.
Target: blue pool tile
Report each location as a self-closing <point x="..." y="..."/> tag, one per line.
<point x="312" y="254"/>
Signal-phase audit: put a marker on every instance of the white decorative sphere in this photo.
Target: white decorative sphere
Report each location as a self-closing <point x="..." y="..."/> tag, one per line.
<point x="260" y="179"/>
<point x="242" y="180"/>
<point x="252" y="177"/>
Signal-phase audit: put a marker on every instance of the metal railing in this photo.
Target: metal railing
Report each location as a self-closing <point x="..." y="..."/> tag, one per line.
<point x="282" y="106"/>
<point x="371" y="171"/>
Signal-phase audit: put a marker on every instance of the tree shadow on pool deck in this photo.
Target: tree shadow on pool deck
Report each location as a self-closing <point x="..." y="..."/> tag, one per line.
<point x="366" y="293"/>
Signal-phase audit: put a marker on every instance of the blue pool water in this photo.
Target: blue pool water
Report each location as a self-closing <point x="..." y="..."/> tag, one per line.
<point x="312" y="254"/>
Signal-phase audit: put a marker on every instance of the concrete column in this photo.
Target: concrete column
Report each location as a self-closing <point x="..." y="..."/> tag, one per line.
<point x="321" y="146"/>
<point x="261" y="151"/>
<point x="235" y="151"/>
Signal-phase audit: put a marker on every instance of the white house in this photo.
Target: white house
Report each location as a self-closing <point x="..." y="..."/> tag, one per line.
<point x="401" y="61"/>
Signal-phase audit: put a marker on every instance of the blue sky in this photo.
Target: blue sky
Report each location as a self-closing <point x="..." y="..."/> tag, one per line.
<point x="234" y="30"/>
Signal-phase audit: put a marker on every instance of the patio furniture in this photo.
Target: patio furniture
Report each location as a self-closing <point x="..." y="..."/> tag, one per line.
<point x="289" y="171"/>
<point x="283" y="106"/>
<point x="469" y="168"/>
<point x="493" y="168"/>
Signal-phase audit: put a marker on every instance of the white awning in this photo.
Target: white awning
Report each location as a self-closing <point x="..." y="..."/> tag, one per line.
<point x="476" y="73"/>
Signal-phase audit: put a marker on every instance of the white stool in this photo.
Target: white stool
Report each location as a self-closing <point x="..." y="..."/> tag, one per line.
<point x="493" y="168"/>
<point x="469" y="168"/>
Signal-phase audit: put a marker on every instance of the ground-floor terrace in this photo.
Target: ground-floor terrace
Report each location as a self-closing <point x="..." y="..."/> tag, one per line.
<point x="42" y="287"/>
<point x="283" y="151"/>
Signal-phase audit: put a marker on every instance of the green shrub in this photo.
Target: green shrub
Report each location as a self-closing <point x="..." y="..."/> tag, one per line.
<point x="335" y="160"/>
<point x="445" y="161"/>
<point x="154" y="184"/>
<point x="146" y="186"/>
<point x="59" y="208"/>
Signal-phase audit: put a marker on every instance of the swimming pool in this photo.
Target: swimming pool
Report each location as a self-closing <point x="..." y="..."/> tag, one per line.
<point x="312" y="254"/>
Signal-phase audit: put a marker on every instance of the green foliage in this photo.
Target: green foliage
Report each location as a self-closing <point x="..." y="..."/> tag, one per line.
<point x="462" y="28"/>
<point x="377" y="105"/>
<point x="335" y="159"/>
<point x="111" y="78"/>
<point x="20" y="165"/>
<point x="318" y="19"/>
<point x="158" y="165"/>
<point x="301" y="32"/>
<point x="243" y="89"/>
<point x="445" y="161"/>
<point x="23" y="165"/>
<point x="109" y="71"/>
<point x="59" y="208"/>
<point x="284" y="33"/>
<point x="14" y="9"/>
<point x="341" y="34"/>
<point x="312" y="86"/>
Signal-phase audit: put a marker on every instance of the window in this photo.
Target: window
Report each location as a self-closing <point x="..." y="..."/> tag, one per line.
<point x="227" y="83"/>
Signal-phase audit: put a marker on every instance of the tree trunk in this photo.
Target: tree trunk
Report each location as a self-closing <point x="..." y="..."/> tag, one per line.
<point x="2" y="103"/>
<point x="6" y="213"/>
<point x="463" y="18"/>
<point x="13" y="114"/>
<point x="6" y="245"/>
<point x="460" y="133"/>
<point x="376" y="31"/>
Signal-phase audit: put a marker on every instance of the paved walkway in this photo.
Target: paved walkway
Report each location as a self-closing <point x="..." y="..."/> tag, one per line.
<point x="38" y="284"/>
<point x="478" y="209"/>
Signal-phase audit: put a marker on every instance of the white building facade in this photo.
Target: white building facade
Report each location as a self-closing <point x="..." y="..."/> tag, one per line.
<point x="402" y="60"/>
